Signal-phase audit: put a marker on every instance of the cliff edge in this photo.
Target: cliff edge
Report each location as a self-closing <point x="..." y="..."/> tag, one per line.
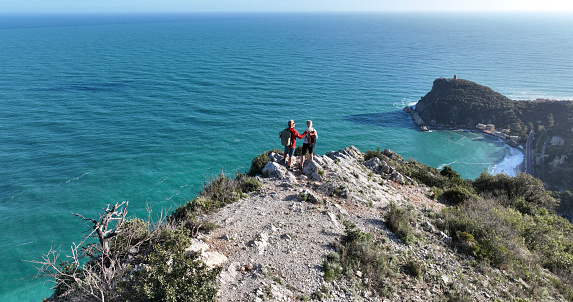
<point x="349" y="226"/>
<point x="282" y="241"/>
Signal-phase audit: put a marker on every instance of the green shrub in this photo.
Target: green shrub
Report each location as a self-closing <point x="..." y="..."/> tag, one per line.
<point x="468" y="244"/>
<point x="507" y="188"/>
<point x="168" y="274"/>
<point x="298" y="151"/>
<point x="565" y="203"/>
<point x="221" y="191"/>
<point x="457" y="195"/>
<point x="479" y="228"/>
<point x="337" y="190"/>
<point x="133" y="231"/>
<point x="248" y="183"/>
<point x="552" y="237"/>
<point x="457" y="295"/>
<point x="519" y="243"/>
<point x="370" y="154"/>
<point x="414" y="268"/>
<point x="519" y="203"/>
<point x="398" y="221"/>
<point x="449" y="172"/>
<point x="435" y="193"/>
<point x="331" y="266"/>
<point x="208" y="226"/>
<point x="424" y="174"/>
<point x="216" y="193"/>
<point x="184" y="212"/>
<point x="361" y="251"/>
<point x="260" y="161"/>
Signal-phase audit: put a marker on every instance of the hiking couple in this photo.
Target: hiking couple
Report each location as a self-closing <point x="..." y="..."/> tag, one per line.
<point x="288" y="139"/>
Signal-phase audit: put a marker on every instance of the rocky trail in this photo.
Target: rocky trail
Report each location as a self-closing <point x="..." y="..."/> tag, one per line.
<point x="272" y="244"/>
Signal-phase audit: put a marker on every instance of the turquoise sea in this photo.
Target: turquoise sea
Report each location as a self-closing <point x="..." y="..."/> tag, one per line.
<point x="97" y="109"/>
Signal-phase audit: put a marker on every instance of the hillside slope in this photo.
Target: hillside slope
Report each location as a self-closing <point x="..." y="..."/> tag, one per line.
<point x="278" y="240"/>
<point x="460" y="103"/>
<point x="350" y="226"/>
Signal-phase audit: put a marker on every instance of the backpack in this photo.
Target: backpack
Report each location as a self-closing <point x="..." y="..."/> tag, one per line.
<point x="285" y="137"/>
<point x="312" y="137"/>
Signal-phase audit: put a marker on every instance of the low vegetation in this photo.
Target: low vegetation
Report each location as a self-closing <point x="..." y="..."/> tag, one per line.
<point x="495" y="223"/>
<point x="398" y="220"/>
<point x="260" y="161"/>
<point x="137" y="260"/>
<point x="169" y="274"/>
<point x="506" y="222"/>
<point x="216" y="193"/>
<point x="362" y="258"/>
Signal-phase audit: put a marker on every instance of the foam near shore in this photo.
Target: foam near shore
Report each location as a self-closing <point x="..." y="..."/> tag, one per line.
<point x="510" y="165"/>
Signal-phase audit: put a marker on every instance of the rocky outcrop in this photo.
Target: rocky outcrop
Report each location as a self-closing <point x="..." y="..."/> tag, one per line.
<point x="275" y="170"/>
<point x="277" y="239"/>
<point x="312" y="169"/>
<point x="458" y="102"/>
<point x="281" y="241"/>
<point x="210" y="258"/>
<point x="416" y="118"/>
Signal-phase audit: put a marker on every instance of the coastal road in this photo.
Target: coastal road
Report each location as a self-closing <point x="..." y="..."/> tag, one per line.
<point x="529" y="154"/>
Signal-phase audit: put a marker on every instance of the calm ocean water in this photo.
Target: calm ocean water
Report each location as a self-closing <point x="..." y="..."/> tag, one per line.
<point x="100" y="109"/>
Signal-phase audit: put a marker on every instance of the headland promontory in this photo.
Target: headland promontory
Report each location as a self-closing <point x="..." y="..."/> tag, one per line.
<point x="544" y="128"/>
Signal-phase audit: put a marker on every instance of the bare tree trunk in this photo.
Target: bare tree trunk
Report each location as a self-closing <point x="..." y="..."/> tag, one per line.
<point x="96" y="279"/>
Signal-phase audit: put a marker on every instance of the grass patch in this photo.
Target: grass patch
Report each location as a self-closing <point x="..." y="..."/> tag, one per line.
<point x="398" y="221"/>
<point x="217" y="193"/>
<point x="415" y="268"/>
<point x="361" y="252"/>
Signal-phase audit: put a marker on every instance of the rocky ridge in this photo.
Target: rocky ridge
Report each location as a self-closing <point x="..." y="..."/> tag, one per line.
<point x="272" y="244"/>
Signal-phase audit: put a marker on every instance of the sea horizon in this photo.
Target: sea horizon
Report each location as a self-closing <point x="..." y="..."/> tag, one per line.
<point x="12" y="20"/>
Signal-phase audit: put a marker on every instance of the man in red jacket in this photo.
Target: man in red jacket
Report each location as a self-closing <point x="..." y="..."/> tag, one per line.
<point x="289" y="150"/>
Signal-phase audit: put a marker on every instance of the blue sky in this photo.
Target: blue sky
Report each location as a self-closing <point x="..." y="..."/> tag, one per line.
<point x="121" y="6"/>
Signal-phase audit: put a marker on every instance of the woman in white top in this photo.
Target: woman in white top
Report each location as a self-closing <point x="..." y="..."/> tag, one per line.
<point x="309" y="142"/>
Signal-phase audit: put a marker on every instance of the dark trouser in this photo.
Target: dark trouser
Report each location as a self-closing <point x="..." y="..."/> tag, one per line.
<point x="309" y="147"/>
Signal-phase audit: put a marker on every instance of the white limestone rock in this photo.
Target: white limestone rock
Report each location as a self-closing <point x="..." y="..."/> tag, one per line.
<point x="261" y="242"/>
<point x="274" y="170"/>
<point x="229" y="274"/>
<point x="275" y="157"/>
<point x="200" y="248"/>
<point x="311" y="170"/>
<point x="212" y="259"/>
<point x="196" y="247"/>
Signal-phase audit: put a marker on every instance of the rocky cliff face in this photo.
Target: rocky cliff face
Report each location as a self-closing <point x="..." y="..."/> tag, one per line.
<point x="276" y="241"/>
<point x="464" y="103"/>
